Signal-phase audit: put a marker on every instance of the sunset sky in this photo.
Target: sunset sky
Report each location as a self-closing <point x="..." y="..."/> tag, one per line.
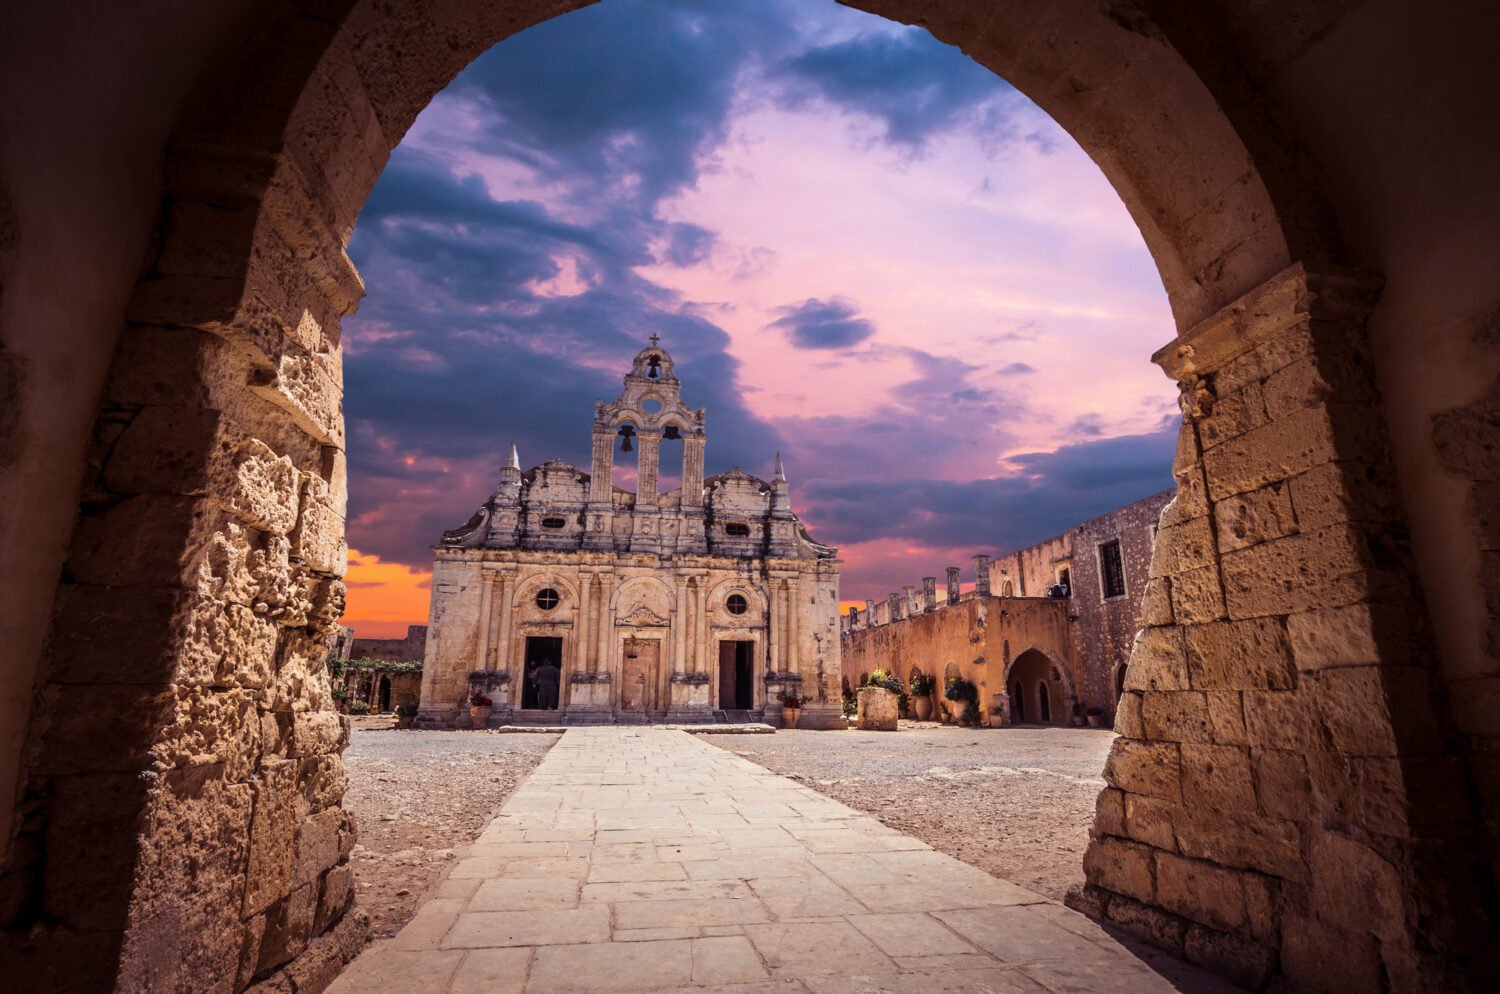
<point x="861" y="248"/>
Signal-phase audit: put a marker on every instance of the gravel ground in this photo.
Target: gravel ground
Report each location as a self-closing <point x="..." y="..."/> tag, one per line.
<point x="1015" y="802"/>
<point x="418" y="795"/>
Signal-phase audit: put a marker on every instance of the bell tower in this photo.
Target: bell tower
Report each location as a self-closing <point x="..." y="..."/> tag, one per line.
<point x="649" y="409"/>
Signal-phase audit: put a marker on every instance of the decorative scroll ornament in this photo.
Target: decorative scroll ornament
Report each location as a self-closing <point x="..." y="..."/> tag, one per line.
<point x="643" y="617"/>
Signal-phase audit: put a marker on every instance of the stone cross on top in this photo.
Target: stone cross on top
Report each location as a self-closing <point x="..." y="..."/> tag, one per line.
<point x="655" y="340"/>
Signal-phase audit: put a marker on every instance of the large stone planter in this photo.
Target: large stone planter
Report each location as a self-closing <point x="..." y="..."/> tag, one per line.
<point x="878" y="709"/>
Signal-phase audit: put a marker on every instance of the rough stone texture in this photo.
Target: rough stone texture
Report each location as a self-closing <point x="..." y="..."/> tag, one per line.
<point x="1284" y="729"/>
<point x="224" y="172"/>
<point x="878" y="709"/>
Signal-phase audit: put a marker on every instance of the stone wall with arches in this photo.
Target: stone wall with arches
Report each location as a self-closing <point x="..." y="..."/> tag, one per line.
<point x="173" y="472"/>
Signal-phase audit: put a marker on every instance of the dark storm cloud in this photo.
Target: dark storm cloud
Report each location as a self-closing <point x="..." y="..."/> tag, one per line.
<point x="462" y="344"/>
<point x="1049" y="492"/>
<point x="823" y="324"/>
<point x="491" y="316"/>
<point x="624" y="89"/>
<point x="915" y="85"/>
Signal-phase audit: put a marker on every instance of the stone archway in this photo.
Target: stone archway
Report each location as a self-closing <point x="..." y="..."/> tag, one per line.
<point x="209" y="552"/>
<point x="1032" y="669"/>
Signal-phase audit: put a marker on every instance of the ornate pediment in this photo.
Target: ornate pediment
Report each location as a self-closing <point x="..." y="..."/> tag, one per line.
<point x="643" y="617"/>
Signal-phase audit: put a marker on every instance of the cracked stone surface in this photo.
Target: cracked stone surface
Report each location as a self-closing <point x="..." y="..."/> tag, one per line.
<point x="648" y="860"/>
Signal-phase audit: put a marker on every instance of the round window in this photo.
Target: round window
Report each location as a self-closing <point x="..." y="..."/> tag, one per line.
<point x="547" y="599"/>
<point x="736" y="604"/>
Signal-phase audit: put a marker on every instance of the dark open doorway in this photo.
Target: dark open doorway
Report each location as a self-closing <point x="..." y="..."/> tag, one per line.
<point x="539" y="649"/>
<point x="383" y="696"/>
<point x="736" y="675"/>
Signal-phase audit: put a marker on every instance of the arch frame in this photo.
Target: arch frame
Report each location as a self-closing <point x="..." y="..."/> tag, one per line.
<point x="1054" y="661"/>
<point x="273" y="174"/>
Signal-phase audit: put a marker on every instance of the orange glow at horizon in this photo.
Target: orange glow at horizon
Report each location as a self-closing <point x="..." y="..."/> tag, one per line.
<point x="385" y="597"/>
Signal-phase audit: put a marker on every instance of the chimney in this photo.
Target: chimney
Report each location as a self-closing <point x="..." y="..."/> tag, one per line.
<point x="929" y="593"/>
<point x="952" y="584"/>
<point x="982" y="576"/>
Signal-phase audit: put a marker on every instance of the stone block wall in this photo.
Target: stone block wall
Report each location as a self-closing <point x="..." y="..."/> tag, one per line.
<point x="977" y="639"/>
<point x="182" y="827"/>
<point x="1282" y="799"/>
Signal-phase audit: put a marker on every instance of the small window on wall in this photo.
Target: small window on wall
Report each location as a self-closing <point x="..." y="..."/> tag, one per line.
<point x="547" y="599"/>
<point x="736" y="604"/>
<point x="1111" y="570"/>
<point x="554" y="523"/>
<point x="737" y="529"/>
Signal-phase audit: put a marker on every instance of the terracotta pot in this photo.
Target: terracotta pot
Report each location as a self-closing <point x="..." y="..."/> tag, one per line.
<point x="480" y="716"/>
<point x="790" y="716"/>
<point x="1093" y="720"/>
<point x="405" y="720"/>
<point x="923" y="708"/>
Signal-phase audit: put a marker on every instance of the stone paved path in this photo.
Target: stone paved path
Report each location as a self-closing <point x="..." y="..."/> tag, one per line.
<point x="646" y="860"/>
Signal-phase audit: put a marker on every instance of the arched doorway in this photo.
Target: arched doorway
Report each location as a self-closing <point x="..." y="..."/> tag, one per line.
<point x="1225" y="195"/>
<point x="1037" y="686"/>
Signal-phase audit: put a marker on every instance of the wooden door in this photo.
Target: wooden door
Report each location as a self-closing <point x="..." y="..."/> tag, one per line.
<point x="638" y="674"/>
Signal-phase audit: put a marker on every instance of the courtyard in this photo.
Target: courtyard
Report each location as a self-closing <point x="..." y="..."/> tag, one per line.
<point x="648" y="859"/>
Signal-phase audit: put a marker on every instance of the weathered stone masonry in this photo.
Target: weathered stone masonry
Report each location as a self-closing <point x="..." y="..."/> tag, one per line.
<point x="1014" y="633"/>
<point x="1280" y="788"/>
<point x="214" y="157"/>
<point x="703" y="602"/>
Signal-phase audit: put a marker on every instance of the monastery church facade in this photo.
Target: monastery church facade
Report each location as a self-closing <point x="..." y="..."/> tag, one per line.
<point x="696" y="605"/>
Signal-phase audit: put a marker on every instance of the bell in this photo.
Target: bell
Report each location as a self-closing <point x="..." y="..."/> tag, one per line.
<point x="625" y="446"/>
<point x="653" y="364"/>
<point x="672" y="433"/>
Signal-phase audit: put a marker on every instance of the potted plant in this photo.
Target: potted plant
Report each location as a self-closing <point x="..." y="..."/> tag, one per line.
<point x="791" y="708"/>
<point x="480" y="707"/>
<point x="959" y="690"/>
<point x="359" y="707"/>
<point x="921" y="695"/>
<point x="1095" y="716"/>
<point x="1077" y="716"/>
<point x="406" y="715"/>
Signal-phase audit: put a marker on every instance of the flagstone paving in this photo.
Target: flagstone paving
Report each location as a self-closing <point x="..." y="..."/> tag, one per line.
<point x="646" y="860"/>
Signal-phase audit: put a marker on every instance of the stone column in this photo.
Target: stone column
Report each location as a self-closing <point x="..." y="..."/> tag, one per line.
<point x="869" y="614"/>
<point x="794" y="627"/>
<point x="773" y="612"/>
<point x="1284" y="660"/>
<point x="692" y="470"/>
<point x="581" y="620"/>
<point x="681" y="625"/>
<point x="982" y="576"/>
<point x="952" y="584"/>
<point x="929" y="593"/>
<point x="606" y="624"/>
<point x="506" y="594"/>
<point x="601" y="488"/>
<point x="486" y="593"/>
<point x="648" y="445"/>
<point x="910" y="606"/>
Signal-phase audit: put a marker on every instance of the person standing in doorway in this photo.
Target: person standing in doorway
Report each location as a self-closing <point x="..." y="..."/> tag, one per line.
<point x="546" y="676"/>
